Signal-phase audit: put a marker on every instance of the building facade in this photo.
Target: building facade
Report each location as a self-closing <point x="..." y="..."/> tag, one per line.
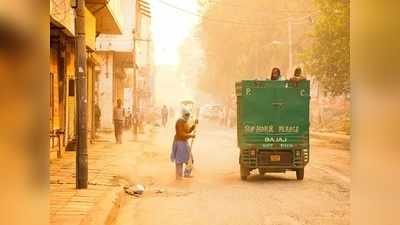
<point x="124" y="59"/>
<point x="101" y="16"/>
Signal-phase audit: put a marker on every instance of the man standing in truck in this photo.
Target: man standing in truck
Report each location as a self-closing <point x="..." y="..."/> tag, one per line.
<point x="276" y="74"/>
<point x="297" y="75"/>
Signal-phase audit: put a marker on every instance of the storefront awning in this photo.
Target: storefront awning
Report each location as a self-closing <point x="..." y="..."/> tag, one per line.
<point x="62" y="16"/>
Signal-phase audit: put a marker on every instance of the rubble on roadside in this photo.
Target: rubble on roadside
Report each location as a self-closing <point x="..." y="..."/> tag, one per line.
<point x="136" y="190"/>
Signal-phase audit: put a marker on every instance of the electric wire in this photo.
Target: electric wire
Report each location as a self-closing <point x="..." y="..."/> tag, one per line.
<point x="211" y="19"/>
<point x="218" y="20"/>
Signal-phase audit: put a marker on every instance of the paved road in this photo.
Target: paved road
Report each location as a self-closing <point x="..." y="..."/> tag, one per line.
<point x="217" y="196"/>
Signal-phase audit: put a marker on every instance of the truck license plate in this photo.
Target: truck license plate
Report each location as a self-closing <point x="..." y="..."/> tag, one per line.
<point x="275" y="158"/>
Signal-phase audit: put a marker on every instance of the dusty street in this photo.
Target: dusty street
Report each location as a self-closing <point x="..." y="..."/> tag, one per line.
<point x="217" y="196"/>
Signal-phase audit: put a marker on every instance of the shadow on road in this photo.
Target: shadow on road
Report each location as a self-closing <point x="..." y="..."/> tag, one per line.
<point x="269" y="178"/>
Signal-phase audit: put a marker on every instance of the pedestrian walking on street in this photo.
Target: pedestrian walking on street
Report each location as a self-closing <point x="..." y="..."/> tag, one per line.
<point x="141" y="121"/>
<point x="128" y="119"/>
<point x="97" y="117"/>
<point x="118" y="118"/>
<point x="135" y="123"/>
<point x="164" y="115"/>
<point x="181" y="152"/>
<point x="171" y="112"/>
<point x="222" y="116"/>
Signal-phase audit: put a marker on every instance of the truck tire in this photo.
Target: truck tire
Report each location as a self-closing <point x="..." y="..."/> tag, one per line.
<point x="300" y="174"/>
<point x="244" y="172"/>
<point x="262" y="172"/>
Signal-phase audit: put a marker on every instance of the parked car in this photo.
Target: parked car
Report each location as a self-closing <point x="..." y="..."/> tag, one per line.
<point x="211" y="112"/>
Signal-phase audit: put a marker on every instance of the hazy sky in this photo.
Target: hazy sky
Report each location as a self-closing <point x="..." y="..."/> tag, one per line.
<point x="170" y="27"/>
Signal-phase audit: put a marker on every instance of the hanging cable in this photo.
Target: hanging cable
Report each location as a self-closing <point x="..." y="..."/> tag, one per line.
<point x="218" y="20"/>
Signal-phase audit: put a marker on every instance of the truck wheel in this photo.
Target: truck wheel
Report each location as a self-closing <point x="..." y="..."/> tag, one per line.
<point x="262" y="172"/>
<point x="244" y="172"/>
<point x="300" y="174"/>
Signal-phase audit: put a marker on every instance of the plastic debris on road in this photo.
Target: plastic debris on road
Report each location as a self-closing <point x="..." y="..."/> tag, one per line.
<point x="136" y="190"/>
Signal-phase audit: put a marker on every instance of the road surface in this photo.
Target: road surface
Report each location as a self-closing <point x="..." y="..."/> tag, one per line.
<point x="217" y="196"/>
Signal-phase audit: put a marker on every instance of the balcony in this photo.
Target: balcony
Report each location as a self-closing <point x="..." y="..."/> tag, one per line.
<point x="62" y="16"/>
<point x="108" y="15"/>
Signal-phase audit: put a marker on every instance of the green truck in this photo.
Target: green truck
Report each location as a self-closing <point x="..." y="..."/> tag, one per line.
<point x="273" y="126"/>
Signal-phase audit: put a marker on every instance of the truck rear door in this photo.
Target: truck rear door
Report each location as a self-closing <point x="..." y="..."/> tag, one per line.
<point x="273" y="114"/>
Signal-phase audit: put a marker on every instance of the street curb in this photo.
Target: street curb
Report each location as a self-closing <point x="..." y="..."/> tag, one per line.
<point x="106" y="210"/>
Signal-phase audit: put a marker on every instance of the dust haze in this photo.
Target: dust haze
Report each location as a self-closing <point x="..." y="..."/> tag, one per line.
<point x="223" y="47"/>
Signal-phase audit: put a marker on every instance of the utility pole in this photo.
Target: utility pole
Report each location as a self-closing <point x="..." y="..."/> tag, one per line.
<point x="142" y="7"/>
<point x="147" y="86"/>
<point x="290" y="47"/>
<point x="135" y="36"/>
<point x="134" y="89"/>
<point x="81" y="97"/>
<point x="256" y="59"/>
<point x="292" y="22"/>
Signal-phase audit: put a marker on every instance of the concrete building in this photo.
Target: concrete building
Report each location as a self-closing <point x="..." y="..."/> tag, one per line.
<point x="101" y="16"/>
<point x="145" y="62"/>
<point x="112" y="79"/>
<point x="118" y="63"/>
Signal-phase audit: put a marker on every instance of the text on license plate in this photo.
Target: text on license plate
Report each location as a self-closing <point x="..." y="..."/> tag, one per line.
<point x="275" y="158"/>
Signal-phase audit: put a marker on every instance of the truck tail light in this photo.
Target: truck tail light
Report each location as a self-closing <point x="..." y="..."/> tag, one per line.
<point x="306" y="156"/>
